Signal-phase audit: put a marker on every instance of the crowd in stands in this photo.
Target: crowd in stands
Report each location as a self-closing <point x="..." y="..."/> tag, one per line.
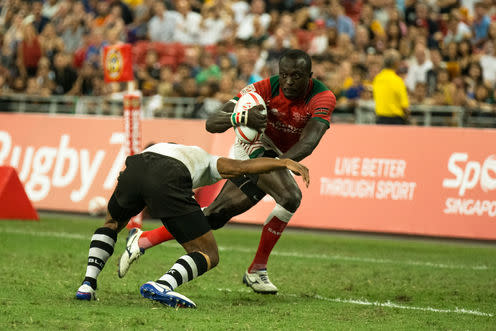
<point x="211" y="49"/>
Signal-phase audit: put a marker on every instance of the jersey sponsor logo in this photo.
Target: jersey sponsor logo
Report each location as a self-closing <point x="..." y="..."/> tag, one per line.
<point x="282" y="127"/>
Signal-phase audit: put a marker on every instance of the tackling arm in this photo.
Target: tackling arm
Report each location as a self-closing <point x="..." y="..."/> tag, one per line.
<point x="229" y="168"/>
<point x="310" y="138"/>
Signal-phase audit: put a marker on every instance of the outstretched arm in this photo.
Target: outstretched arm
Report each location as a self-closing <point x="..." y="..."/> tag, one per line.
<point x="310" y="138"/>
<point x="232" y="168"/>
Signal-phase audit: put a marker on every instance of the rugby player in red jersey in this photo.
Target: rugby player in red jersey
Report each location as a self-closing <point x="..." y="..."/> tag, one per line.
<point x="299" y="108"/>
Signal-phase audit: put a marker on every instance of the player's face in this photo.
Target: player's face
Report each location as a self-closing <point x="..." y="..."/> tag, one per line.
<point x="293" y="77"/>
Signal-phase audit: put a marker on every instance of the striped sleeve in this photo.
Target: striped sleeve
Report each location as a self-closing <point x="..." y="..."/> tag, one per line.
<point x="262" y="87"/>
<point x="322" y="105"/>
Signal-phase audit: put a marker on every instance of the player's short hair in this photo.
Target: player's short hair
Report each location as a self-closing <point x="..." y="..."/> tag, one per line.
<point x="391" y="58"/>
<point x="296" y="54"/>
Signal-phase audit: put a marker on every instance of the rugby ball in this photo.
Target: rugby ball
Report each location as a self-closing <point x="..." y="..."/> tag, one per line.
<point x="248" y="100"/>
<point x="97" y="206"/>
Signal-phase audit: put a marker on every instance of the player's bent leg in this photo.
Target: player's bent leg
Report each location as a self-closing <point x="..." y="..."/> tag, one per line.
<point x="282" y="187"/>
<point x="102" y="245"/>
<point x="202" y="255"/>
<point x="154" y="237"/>
<point x="230" y="202"/>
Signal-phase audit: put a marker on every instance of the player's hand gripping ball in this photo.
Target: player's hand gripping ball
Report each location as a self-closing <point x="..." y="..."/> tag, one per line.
<point x="242" y="112"/>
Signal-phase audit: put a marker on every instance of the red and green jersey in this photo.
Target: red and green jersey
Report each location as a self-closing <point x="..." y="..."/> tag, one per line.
<point x="286" y="118"/>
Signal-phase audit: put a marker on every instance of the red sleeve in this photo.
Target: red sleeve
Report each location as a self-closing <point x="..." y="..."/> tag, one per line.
<point x="262" y="87"/>
<point x="322" y="105"/>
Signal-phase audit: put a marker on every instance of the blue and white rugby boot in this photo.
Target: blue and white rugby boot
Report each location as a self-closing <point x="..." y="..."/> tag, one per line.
<point x="132" y="252"/>
<point x="86" y="292"/>
<point x="162" y="294"/>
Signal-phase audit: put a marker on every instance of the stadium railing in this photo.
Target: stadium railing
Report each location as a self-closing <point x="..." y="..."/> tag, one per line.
<point x="155" y="106"/>
<point x="178" y="107"/>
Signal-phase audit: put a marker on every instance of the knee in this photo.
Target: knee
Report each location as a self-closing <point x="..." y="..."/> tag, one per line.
<point x="216" y="217"/>
<point x="290" y="199"/>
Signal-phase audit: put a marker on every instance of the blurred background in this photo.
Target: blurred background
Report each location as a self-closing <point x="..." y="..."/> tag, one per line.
<point x="190" y="56"/>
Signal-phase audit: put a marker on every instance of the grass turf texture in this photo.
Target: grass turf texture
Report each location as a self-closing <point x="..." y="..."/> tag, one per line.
<point x="326" y="281"/>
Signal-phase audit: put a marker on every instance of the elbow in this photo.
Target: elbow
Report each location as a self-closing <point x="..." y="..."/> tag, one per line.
<point x="210" y="125"/>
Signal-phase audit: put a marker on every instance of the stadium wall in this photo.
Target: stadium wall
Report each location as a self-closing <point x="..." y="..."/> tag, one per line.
<point x="408" y="180"/>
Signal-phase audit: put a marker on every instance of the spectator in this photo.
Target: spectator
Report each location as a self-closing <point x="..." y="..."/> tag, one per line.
<point x="125" y="12"/>
<point x="422" y="19"/>
<point x="393" y="34"/>
<point x="206" y="103"/>
<point x="211" y="29"/>
<point x="257" y="18"/>
<point x="445" y="91"/>
<point x="84" y="84"/>
<point x="36" y="18"/>
<point x="149" y="75"/>
<point x="29" y="52"/>
<point x="320" y="40"/>
<point x="418" y="67"/>
<point x="464" y="55"/>
<point x="337" y="19"/>
<point x="488" y="62"/>
<point x="50" y="8"/>
<point x="44" y="76"/>
<point x="432" y="73"/>
<point x="451" y="57"/>
<point x="482" y="103"/>
<point x="102" y="12"/>
<point x="417" y="96"/>
<point x="72" y="35"/>
<point x="209" y="69"/>
<point x="457" y="30"/>
<point x="165" y="84"/>
<point x="480" y="25"/>
<point x="161" y="26"/>
<point x="65" y="76"/>
<point x="390" y="94"/>
<point x="187" y="27"/>
<point x="51" y="43"/>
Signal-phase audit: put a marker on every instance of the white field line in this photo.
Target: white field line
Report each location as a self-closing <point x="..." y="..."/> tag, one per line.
<point x="387" y="304"/>
<point x="279" y="253"/>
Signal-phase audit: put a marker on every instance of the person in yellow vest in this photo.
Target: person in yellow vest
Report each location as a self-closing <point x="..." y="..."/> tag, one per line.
<point x="389" y="90"/>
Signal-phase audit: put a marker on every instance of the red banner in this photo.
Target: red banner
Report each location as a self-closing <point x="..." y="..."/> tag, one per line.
<point x="117" y="63"/>
<point x="411" y="180"/>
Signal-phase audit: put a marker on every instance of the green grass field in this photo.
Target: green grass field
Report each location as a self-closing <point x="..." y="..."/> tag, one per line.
<point x="326" y="282"/>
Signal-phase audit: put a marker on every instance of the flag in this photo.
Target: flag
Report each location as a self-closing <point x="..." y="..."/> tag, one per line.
<point x="117" y="63"/>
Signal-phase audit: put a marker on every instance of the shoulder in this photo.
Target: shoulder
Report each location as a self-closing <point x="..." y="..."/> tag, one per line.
<point x="268" y="86"/>
<point x="319" y="91"/>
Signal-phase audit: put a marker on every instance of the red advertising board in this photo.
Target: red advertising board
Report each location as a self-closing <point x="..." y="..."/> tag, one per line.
<point x="412" y="180"/>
